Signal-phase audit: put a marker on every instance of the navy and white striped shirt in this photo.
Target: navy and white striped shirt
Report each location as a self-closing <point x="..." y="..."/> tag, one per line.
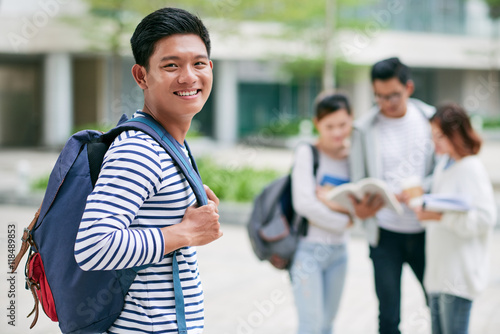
<point x="139" y="191"/>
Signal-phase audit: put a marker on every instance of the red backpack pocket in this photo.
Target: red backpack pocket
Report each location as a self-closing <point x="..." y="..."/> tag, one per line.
<point x="38" y="283"/>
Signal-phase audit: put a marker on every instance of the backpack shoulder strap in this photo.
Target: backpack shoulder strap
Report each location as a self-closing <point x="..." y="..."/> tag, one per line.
<point x="151" y="127"/>
<point x="315" y="158"/>
<point x="301" y="222"/>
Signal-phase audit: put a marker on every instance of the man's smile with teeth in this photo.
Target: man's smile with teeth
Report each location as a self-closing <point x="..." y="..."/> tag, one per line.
<point x="187" y="93"/>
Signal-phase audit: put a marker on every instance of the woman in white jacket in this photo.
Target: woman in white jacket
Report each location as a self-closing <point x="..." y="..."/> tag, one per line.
<point x="457" y="242"/>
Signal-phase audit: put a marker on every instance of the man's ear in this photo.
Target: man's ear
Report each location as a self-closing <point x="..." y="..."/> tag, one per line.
<point x="410" y="87"/>
<point x="211" y="64"/>
<point x="139" y="73"/>
<point x="315" y="122"/>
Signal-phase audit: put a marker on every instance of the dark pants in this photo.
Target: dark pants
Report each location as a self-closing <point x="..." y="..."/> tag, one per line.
<point x="393" y="250"/>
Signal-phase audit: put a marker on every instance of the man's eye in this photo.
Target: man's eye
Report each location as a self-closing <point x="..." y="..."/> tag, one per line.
<point x="170" y="65"/>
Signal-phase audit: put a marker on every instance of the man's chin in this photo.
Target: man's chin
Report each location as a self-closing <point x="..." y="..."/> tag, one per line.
<point x="393" y="113"/>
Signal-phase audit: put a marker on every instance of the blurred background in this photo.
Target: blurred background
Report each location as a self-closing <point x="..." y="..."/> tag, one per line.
<point x="65" y="64"/>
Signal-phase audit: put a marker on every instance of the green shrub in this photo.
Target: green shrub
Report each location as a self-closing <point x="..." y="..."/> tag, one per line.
<point x="192" y="133"/>
<point x="491" y="123"/>
<point x="93" y="126"/>
<point x="40" y="184"/>
<point x="234" y="184"/>
<point x="285" y="128"/>
<point x="288" y="128"/>
<point x="229" y="184"/>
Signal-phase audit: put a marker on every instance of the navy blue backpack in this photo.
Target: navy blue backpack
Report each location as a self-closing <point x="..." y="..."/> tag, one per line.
<point x="87" y="301"/>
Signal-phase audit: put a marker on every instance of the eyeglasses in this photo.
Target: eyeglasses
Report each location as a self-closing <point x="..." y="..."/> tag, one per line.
<point x="393" y="98"/>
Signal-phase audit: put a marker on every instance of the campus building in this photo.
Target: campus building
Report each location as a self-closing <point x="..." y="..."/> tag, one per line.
<point x="55" y="76"/>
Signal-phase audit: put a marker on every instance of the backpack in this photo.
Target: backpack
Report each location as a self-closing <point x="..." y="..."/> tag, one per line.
<point x="87" y="301"/>
<point x="274" y="227"/>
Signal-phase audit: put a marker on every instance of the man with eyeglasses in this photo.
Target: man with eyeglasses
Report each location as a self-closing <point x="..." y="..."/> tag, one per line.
<point x="393" y="143"/>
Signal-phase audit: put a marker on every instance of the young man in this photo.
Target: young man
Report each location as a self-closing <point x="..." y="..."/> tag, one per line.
<point x="142" y="208"/>
<point x="393" y="143"/>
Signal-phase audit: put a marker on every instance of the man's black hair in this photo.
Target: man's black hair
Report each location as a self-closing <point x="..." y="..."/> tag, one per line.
<point x="391" y="68"/>
<point x="163" y="23"/>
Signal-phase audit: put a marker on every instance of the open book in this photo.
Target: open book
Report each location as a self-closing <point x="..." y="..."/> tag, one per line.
<point x="340" y="194"/>
<point x="445" y="202"/>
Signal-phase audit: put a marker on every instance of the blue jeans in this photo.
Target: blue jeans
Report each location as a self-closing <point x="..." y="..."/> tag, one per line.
<point x="318" y="274"/>
<point x="393" y="250"/>
<point x="449" y="314"/>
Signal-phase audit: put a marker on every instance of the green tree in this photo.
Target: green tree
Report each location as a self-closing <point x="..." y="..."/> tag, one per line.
<point x="494" y="13"/>
<point x="312" y="20"/>
<point x="494" y="8"/>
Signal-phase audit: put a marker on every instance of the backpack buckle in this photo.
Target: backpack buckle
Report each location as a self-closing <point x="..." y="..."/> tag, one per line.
<point x="26" y="235"/>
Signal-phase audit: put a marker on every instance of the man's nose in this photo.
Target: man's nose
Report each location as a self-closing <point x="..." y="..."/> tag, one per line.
<point x="187" y="75"/>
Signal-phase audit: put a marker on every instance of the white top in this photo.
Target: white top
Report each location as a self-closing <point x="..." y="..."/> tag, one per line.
<point x="139" y="191"/>
<point x="325" y="225"/>
<point x="457" y="257"/>
<point x="403" y="145"/>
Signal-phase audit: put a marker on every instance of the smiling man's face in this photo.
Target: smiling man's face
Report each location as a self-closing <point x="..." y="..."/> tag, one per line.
<point x="179" y="79"/>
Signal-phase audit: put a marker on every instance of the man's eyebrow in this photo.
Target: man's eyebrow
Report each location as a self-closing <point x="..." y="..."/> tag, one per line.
<point x="201" y="57"/>
<point x="169" y="58"/>
<point x="166" y="58"/>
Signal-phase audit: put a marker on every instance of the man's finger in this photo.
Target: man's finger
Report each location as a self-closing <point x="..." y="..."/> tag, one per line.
<point x="370" y="198"/>
<point x="214" y="205"/>
<point x="378" y="202"/>
<point x="211" y="195"/>
<point x="354" y="200"/>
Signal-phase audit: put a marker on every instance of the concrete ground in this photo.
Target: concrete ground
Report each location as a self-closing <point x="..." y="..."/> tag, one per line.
<point x="246" y="296"/>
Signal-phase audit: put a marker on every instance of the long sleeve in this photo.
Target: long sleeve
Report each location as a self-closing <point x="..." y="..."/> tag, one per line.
<point x="358" y="170"/>
<point x="131" y="174"/>
<point x="304" y="197"/>
<point x="457" y="246"/>
<point x="481" y="218"/>
<point x="357" y="166"/>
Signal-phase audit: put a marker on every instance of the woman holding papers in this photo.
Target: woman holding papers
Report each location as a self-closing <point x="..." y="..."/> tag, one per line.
<point x="457" y="241"/>
<point x="319" y="267"/>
